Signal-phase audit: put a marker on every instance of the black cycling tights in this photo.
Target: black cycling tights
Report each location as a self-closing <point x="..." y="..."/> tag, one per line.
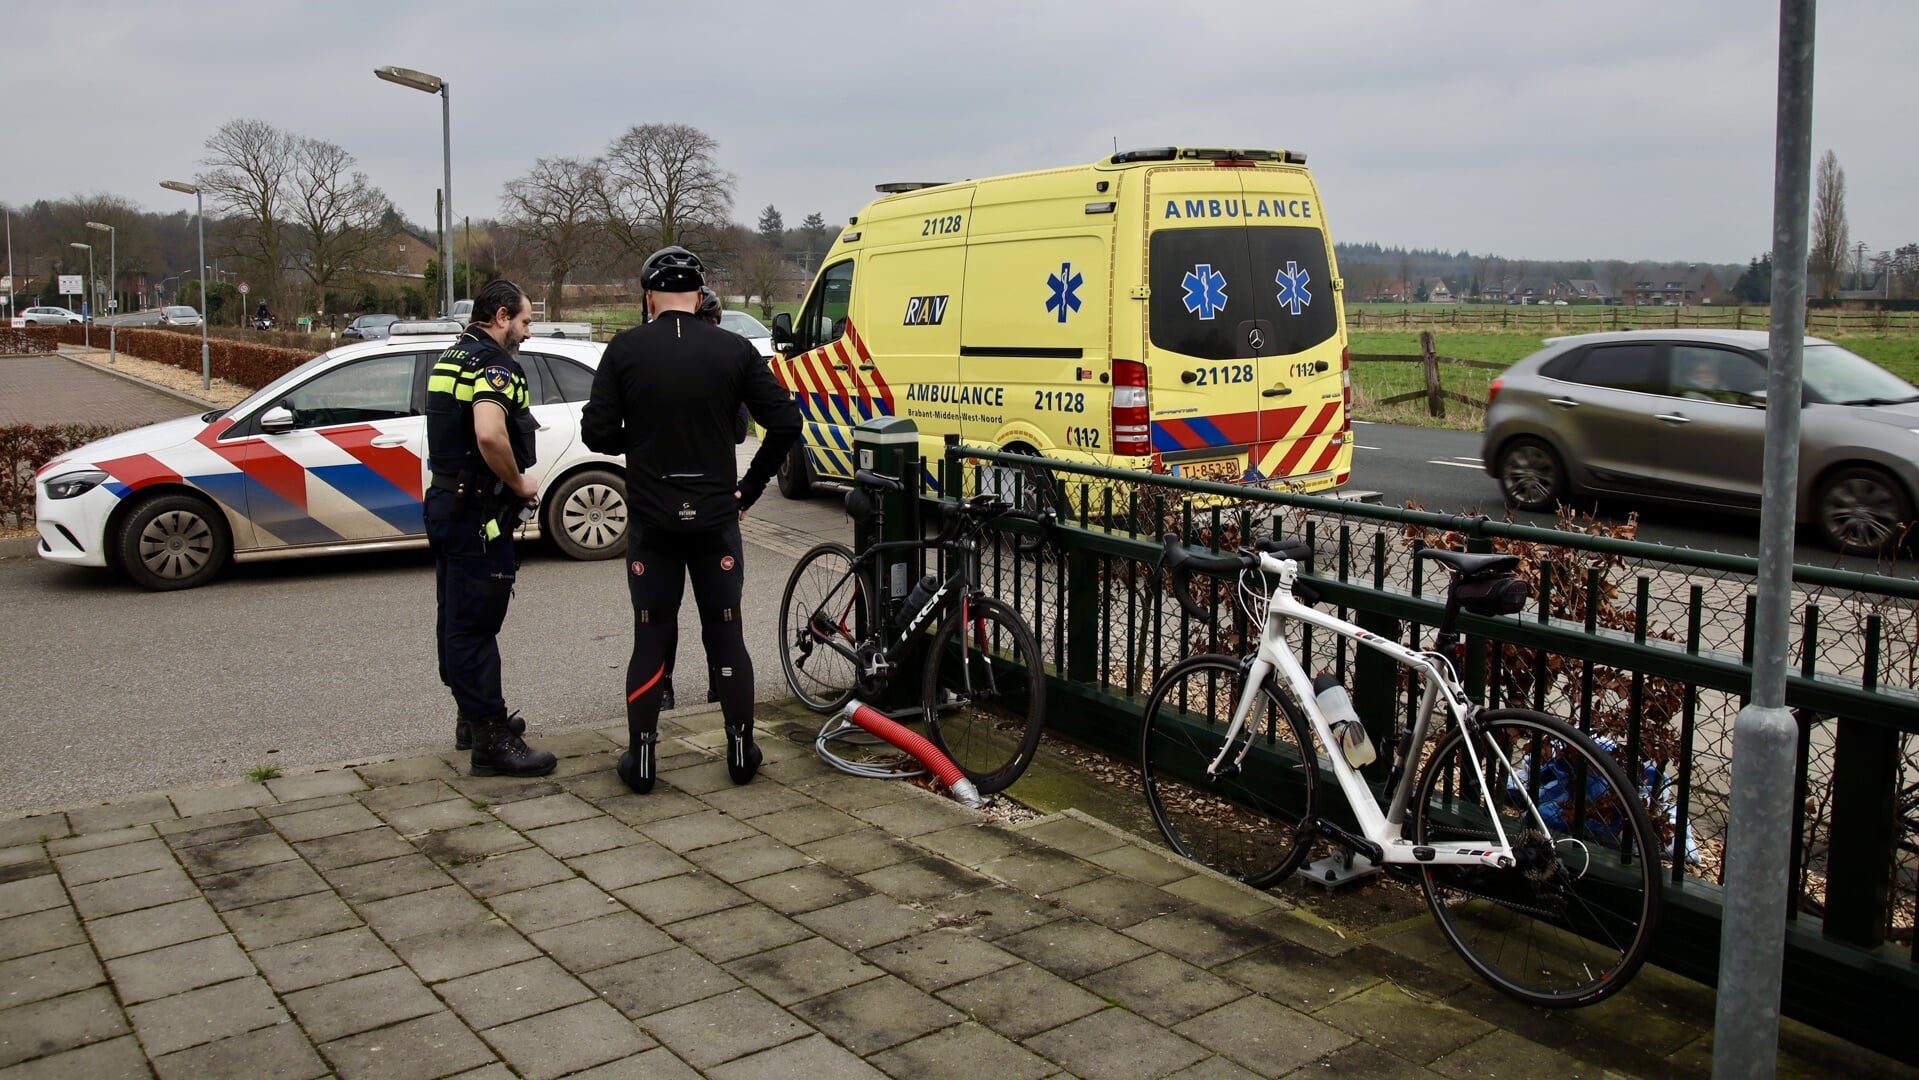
<point x="657" y="566"/>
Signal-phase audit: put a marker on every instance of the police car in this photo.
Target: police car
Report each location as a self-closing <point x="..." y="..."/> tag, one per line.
<point x="330" y="457"/>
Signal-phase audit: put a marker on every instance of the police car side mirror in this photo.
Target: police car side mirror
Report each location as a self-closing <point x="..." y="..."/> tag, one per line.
<point x="278" y="418"/>
<point x="783" y="331"/>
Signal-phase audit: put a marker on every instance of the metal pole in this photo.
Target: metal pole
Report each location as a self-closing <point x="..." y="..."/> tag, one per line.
<point x="446" y="236"/>
<point x="1752" y="938"/>
<point x="113" y="275"/>
<point x="206" y="356"/>
<point x="86" y="329"/>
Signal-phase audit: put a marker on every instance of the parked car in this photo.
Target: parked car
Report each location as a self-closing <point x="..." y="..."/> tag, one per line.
<point x="369" y="327"/>
<point x="749" y="328"/>
<point x="179" y="315"/>
<point x="462" y="311"/>
<point x="328" y="458"/>
<point x="1679" y="416"/>
<point x="52" y="316"/>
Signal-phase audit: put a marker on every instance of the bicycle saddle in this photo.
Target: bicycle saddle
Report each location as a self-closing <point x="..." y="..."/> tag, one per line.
<point x="1470" y="564"/>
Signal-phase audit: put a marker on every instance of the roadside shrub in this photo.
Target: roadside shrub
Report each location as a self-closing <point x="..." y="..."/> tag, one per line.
<point x="237" y="362"/>
<point x="29" y="340"/>
<point x="23" y="449"/>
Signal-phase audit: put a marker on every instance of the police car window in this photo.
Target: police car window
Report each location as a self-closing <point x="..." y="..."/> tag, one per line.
<point x="536" y="382"/>
<point x="365" y="392"/>
<point x="570" y="381"/>
<point x="1616" y="367"/>
<point x="1203" y="299"/>
<point x="824" y="319"/>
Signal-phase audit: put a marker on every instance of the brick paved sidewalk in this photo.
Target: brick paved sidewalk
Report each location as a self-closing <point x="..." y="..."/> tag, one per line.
<point x="405" y="920"/>
<point x="58" y="390"/>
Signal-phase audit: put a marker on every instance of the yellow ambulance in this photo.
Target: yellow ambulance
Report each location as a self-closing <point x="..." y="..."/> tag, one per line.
<point x="1174" y="310"/>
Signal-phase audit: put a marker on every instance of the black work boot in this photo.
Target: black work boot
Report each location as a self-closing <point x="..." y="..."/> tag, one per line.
<point x="640" y="764"/>
<point x="743" y="755"/>
<point x="666" y="695"/>
<point x="463" y="730"/>
<point x="498" y="750"/>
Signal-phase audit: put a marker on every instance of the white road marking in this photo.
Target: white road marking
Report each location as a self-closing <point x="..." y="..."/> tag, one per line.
<point x="1456" y="464"/>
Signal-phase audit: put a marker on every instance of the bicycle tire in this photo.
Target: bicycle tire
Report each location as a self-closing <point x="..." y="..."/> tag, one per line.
<point x="821" y="602"/>
<point x="1247" y="826"/>
<point x="986" y="716"/>
<point x="1538" y="931"/>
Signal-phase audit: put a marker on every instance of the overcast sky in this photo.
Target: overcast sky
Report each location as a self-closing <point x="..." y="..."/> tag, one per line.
<point x="1635" y="129"/>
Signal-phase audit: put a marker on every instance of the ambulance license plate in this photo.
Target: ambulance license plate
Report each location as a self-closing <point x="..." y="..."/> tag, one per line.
<point x="1222" y="470"/>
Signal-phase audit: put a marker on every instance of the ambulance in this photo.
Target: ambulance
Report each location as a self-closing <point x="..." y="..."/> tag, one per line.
<point x="1172" y="310"/>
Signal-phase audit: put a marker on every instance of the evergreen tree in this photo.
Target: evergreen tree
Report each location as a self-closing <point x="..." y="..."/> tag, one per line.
<point x="772" y="226"/>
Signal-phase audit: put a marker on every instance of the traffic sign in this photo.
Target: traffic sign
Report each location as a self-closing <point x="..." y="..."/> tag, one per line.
<point x="243" y="288"/>
<point x="6" y="282"/>
<point x="70" y="285"/>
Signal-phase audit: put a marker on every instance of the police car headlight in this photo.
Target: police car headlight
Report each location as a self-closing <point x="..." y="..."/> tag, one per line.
<point x="68" y="485"/>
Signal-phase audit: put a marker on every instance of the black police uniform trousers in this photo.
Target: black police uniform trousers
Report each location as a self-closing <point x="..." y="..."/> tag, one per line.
<point x="658" y="564"/>
<point x="474" y="581"/>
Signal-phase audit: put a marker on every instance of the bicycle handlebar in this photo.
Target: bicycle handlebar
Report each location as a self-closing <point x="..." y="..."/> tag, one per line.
<point x="1182" y="561"/>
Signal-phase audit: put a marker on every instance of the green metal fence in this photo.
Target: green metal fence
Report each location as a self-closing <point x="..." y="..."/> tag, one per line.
<point x="1644" y="645"/>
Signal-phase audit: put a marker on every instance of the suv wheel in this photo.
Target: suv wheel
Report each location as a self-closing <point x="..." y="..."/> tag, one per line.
<point x="1531" y="475"/>
<point x="1862" y="511"/>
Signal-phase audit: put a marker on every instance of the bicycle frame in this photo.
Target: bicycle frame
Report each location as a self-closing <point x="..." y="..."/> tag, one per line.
<point x="1386" y="829"/>
<point x="957" y="588"/>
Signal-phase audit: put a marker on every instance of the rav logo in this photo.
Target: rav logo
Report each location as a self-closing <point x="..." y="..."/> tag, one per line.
<point x="925" y="311"/>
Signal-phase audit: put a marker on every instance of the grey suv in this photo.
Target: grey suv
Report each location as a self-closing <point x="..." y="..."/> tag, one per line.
<point x="1680" y="417"/>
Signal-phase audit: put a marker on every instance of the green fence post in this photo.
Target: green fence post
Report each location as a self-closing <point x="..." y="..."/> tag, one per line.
<point x="1376" y="690"/>
<point x="890" y="446"/>
<point x="1865" y="773"/>
<point x="1083" y="605"/>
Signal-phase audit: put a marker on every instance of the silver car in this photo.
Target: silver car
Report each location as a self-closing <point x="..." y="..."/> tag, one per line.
<point x="1679" y="417"/>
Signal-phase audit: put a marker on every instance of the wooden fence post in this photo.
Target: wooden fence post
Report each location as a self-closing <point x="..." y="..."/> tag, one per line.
<point x="1429" y="356"/>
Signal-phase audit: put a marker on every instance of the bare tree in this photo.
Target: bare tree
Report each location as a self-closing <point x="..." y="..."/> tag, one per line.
<point x="660" y="185"/>
<point x="336" y="213"/>
<point x="1829" y="232"/>
<point x="765" y="273"/>
<point x="552" y="209"/>
<point x="248" y="164"/>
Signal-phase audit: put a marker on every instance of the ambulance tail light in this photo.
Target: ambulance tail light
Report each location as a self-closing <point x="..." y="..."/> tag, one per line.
<point x="1346" y="384"/>
<point x="1132" y="410"/>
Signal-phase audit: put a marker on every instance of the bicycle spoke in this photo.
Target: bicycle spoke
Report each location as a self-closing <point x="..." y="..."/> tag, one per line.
<point x="984" y="693"/>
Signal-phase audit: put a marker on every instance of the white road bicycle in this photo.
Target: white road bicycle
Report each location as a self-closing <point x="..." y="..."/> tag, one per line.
<point x="1534" y="851"/>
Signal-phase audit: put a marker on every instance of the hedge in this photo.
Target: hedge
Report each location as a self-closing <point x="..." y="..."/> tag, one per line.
<point x="28" y="340"/>
<point x="23" y="449"/>
<point x="237" y="362"/>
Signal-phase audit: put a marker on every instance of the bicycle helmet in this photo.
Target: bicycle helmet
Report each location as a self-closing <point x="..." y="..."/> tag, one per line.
<point x="709" y="304"/>
<point x="672" y="269"/>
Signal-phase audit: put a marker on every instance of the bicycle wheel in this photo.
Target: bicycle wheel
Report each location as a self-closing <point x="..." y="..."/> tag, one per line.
<point x="984" y="692"/>
<point x="1247" y="824"/>
<point x="822" y="616"/>
<point x="1572" y="921"/>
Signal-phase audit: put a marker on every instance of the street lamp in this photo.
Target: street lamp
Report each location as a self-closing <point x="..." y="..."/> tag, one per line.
<point x="206" y="363"/>
<point x="433" y="84"/>
<point x="86" y="331"/>
<point x="113" y="275"/>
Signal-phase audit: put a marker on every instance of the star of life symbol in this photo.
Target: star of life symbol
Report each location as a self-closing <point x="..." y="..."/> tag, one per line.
<point x="1292" y="287"/>
<point x="1205" y="291"/>
<point x="1065" y="286"/>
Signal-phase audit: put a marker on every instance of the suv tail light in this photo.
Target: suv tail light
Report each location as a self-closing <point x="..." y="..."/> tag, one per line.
<point x="1492" y="391"/>
<point x="1132" y="410"/>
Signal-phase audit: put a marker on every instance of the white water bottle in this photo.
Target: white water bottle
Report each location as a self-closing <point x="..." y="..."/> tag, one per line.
<point x="1337" y="706"/>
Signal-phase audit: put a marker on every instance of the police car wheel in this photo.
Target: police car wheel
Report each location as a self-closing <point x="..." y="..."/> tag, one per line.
<point x="587" y="514"/>
<point x="173" y="542"/>
<point x="795" y="477"/>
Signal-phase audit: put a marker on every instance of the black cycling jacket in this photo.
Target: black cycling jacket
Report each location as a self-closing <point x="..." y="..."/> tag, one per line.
<point x="667" y="395"/>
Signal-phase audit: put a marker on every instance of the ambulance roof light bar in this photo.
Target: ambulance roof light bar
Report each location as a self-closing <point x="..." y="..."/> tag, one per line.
<point x="902" y="186"/>
<point x="1175" y="153"/>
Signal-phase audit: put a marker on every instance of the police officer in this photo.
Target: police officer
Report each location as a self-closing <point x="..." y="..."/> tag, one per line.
<point x="479" y="434"/>
<point x="666" y="395"/>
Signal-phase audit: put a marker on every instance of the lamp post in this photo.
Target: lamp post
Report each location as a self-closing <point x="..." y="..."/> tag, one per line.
<point x="206" y="362"/>
<point x="433" y="84"/>
<point x="86" y="325"/>
<point x="113" y="276"/>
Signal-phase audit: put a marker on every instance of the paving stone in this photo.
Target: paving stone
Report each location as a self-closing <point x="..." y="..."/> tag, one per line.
<point x="503" y="995"/>
<point x="876" y="1014"/>
<point x="846" y="793"/>
<point x="454" y="813"/>
<point x="354" y="848"/>
<point x="694" y="831"/>
<point x="997" y="912"/>
<point x="574" y="1038"/>
<point x="202" y="1016"/>
<point x="30" y="895"/>
<point x="1263" y="1035"/>
<point x="1508" y="1054"/>
<point x="1357" y="1059"/>
<point x="495" y="1071"/>
<point x="1301" y="927"/>
<point x="261" y="884"/>
<point x="215" y="799"/>
<point x="119" y="895"/>
<point x="1073" y="947"/>
<point x="718" y="1029"/>
<point x="41" y="931"/>
<point x="808" y="824"/>
<point x="138" y="810"/>
<point x="226" y="856"/>
<point x="20" y="863"/>
<point x="1142" y="865"/>
<point x="154" y="928"/>
<point x="494" y="791"/>
<point x="804" y="969"/>
<point x="367" y="882"/>
<point x="297" y="965"/>
<point x="963" y="1052"/>
<point x="32" y="829"/>
<point x="509" y="872"/>
<point x="337" y="1009"/>
<point x="431" y="1046"/>
<point x="636" y="865"/>
<point x="543" y="908"/>
<point x="1200" y="936"/>
<point x="406" y="772"/>
<point x="1441" y="979"/>
<point x="594" y="786"/>
<point x="694" y="773"/>
<point x="975" y="844"/>
<point x="385" y="800"/>
<point x="1117" y="902"/>
<point x="549" y="810"/>
<point x="1297" y="976"/>
<point x="1041" y="871"/>
<point x="331" y="821"/>
<point x="264" y="925"/>
<point x="178" y="968"/>
<point x="578" y="743"/>
<point x="754" y="800"/>
<point x="215" y="828"/>
<point x="39" y="1028"/>
<point x="814" y="1057"/>
<point x="292" y="789"/>
<point x="806" y="888"/>
<point x="1163" y="989"/>
<point x="114" y="1059"/>
<point x="744" y="860"/>
<point x="458" y="951"/>
<point x="74" y="845"/>
<point x="423" y="912"/>
<point x="655" y="1064"/>
<point x="1073" y="836"/>
<point x="576" y="838"/>
<point x="663" y="980"/>
<point x="1116" y="1043"/>
<point x="1227" y="897"/>
<point x="736" y="932"/>
<point x="113" y="862"/>
<point x="1409" y="1027"/>
<point x="1021" y="1000"/>
<point x="470" y="843"/>
<point x="910" y="817"/>
<point x="607" y="940"/>
<point x="287" y="807"/>
<point x="924" y="880"/>
<point x="663" y="804"/>
<point x="937" y="959"/>
<point x="281" y="1052"/>
<point x="868" y="921"/>
<point x="683" y="897"/>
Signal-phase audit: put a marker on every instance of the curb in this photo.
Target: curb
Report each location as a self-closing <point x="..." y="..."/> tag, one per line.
<point x="167" y="390"/>
<point x="18" y="547"/>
